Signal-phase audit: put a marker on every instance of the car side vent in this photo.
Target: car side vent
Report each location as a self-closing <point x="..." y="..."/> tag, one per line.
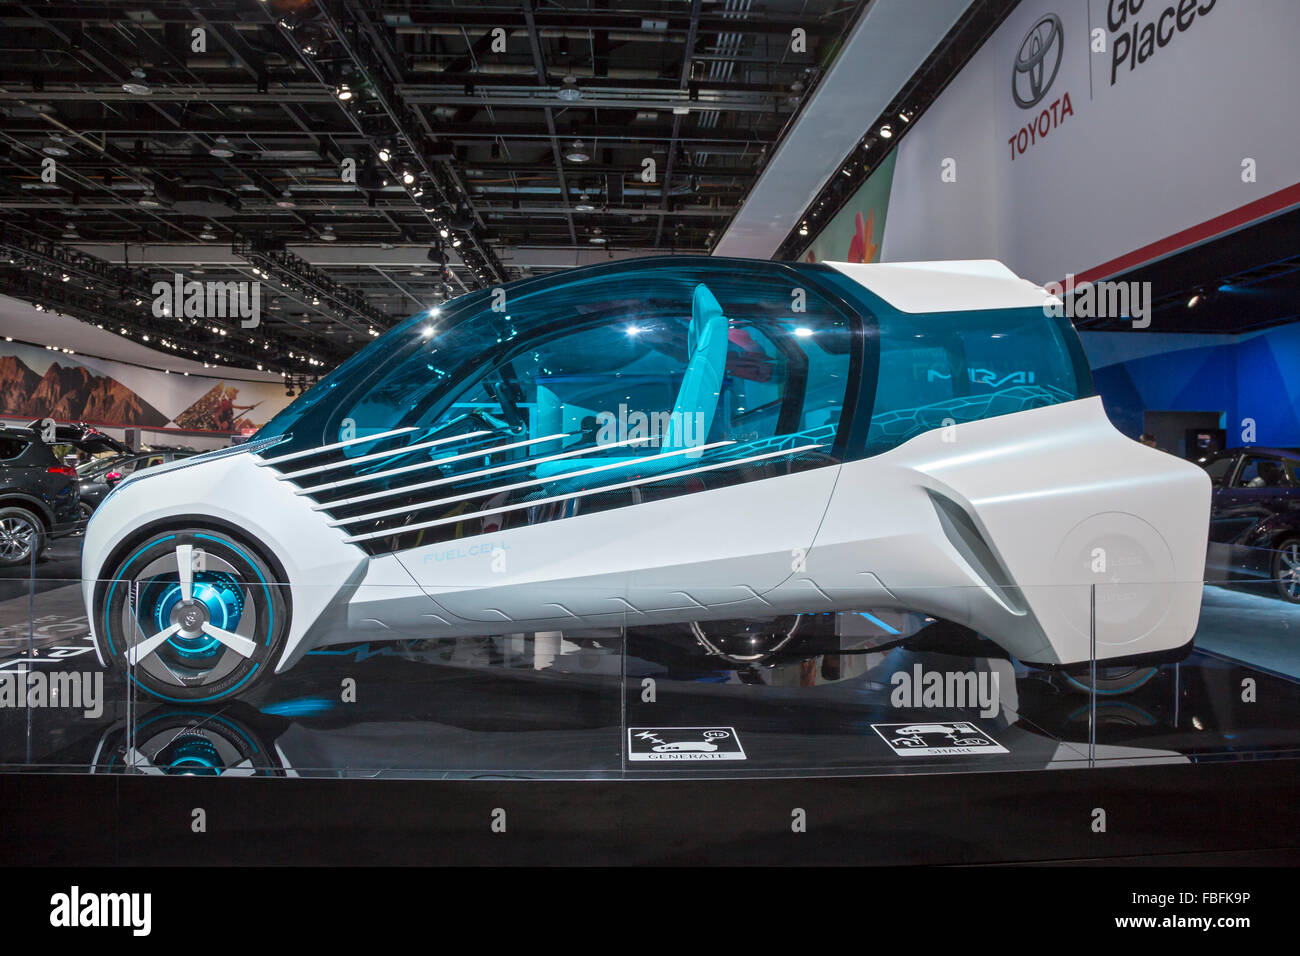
<point x="965" y="536"/>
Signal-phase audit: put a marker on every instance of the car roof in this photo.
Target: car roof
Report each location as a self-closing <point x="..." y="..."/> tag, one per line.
<point x="1293" y="453"/>
<point x="958" y="285"/>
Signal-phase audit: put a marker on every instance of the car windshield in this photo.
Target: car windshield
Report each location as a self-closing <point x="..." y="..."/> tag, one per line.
<point x="1218" y="469"/>
<point x="472" y="364"/>
<point x="99" y="466"/>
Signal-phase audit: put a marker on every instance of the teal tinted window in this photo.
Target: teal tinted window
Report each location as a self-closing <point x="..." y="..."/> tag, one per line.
<point x="949" y="368"/>
<point x="584" y="391"/>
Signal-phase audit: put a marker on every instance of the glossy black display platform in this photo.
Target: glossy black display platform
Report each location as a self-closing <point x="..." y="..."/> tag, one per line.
<point x="657" y="746"/>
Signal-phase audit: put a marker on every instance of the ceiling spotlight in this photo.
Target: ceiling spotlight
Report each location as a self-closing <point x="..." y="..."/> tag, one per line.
<point x="343" y="92"/>
<point x="568" y="90"/>
<point x="445" y="232"/>
<point x="1193" y="300"/>
<point x="803" y="228"/>
<point x="286" y="200"/>
<point x="137" y="86"/>
<point x="408" y="177"/>
<point x="905" y="117"/>
<point x="584" y="204"/>
<point x="886" y="131"/>
<point x="384" y="154"/>
<point x="456" y="242"/>
<point x="71" y="231"/>
<point x="327" y="234"/>
<point x="222" y="149"/>
<point x="207" y="234"/>
<point x="577" y="153"/>
<point x="54" y="149"/>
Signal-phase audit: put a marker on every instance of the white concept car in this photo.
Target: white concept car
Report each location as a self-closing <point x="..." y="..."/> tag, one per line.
<point x="701" y="441"/>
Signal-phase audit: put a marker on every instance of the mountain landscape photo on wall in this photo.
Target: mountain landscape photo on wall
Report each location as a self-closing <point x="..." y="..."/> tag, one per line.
<point x="71" y="392"/>
<point x="43" y="383"/>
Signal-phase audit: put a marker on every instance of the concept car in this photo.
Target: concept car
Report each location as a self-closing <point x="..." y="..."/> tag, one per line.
<point x="698" y="440"/>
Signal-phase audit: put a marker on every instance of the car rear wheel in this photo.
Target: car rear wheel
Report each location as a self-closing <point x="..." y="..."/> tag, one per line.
<point x="21" y="534"/>
<point x="192" y="616"/>
<point x="1286" y="570"/>
<point x="1112" y="680"/>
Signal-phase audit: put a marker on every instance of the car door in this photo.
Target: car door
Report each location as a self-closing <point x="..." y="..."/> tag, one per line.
<point x="1225" y="524"/>
<point x="1259" y="490"/>
<point x="679" y="456"/>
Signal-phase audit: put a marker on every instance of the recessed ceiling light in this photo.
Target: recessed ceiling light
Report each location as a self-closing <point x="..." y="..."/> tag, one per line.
<point x="569" y="91"/>
<point x="577" y="152"/>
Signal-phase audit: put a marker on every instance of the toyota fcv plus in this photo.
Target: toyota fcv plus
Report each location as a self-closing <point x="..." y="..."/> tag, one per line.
<point x="700" y="441"/>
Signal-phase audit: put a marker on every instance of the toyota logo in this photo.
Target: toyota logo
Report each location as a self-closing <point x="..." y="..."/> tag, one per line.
<point x="1037" y="61"/>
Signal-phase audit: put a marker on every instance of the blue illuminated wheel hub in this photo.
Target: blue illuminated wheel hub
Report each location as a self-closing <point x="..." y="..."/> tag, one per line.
<point x="217" y="599"/>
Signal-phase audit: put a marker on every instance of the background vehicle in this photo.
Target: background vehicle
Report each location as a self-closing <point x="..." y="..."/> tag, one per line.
<point x="38" y="496"/>
<point x="662" y="441"/>
<point x="97" y="478"/>
<point x="1255" y="516"/>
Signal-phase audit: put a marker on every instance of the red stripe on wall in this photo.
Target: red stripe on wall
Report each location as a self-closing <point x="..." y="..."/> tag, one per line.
<point x="1242" y="215"/>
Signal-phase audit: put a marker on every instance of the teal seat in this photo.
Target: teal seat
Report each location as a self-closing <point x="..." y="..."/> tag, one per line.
<point x="706" y="363"/>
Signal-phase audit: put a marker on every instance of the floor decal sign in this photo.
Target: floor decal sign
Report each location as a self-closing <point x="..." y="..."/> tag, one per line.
<point x="937" y="739"/>
<point x="684" y="743"/>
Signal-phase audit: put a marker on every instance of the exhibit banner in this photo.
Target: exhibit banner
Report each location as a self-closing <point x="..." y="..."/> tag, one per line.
<point x="38" y="382"/>
<point x="1089" y="136"/>
<point x="855" y="233"/>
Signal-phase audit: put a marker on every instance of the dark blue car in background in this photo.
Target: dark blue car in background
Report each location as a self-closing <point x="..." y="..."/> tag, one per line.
<point x="1255" y="517"/>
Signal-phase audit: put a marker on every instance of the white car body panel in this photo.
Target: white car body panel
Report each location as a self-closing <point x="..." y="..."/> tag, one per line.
<point x="1003" y="524"/>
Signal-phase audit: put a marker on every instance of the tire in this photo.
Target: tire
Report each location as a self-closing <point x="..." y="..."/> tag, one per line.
<point x="746" y="640"/>
<point x="215" y="645"/>
<point x="1286" y="570"/>
<point x="1111" y="680"/>
<point x="193" y="742"/>
<point x="21" y="533"/>
<point x="84" y="510"/>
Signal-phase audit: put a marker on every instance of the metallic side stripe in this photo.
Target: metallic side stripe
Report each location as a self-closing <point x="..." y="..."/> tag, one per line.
<point x="388" y="473"/>
<point x="496" y="469"/>
<point x="394" y="532"/>
<point x="380" y="455"/>
<point x="498" y="489"/>
<point x="340" y="444"/>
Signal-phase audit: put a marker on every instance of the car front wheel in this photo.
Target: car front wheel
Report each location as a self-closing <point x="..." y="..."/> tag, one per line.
<point x="21" y="534"/>
<point x="192" y="616"/>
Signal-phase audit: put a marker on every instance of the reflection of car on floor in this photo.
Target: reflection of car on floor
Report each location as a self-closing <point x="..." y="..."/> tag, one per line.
<point x="38" y="492"/>
<point x="97" y="478"/>
<point x="1255" y="516"/>
<point x="663" y="441"/>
